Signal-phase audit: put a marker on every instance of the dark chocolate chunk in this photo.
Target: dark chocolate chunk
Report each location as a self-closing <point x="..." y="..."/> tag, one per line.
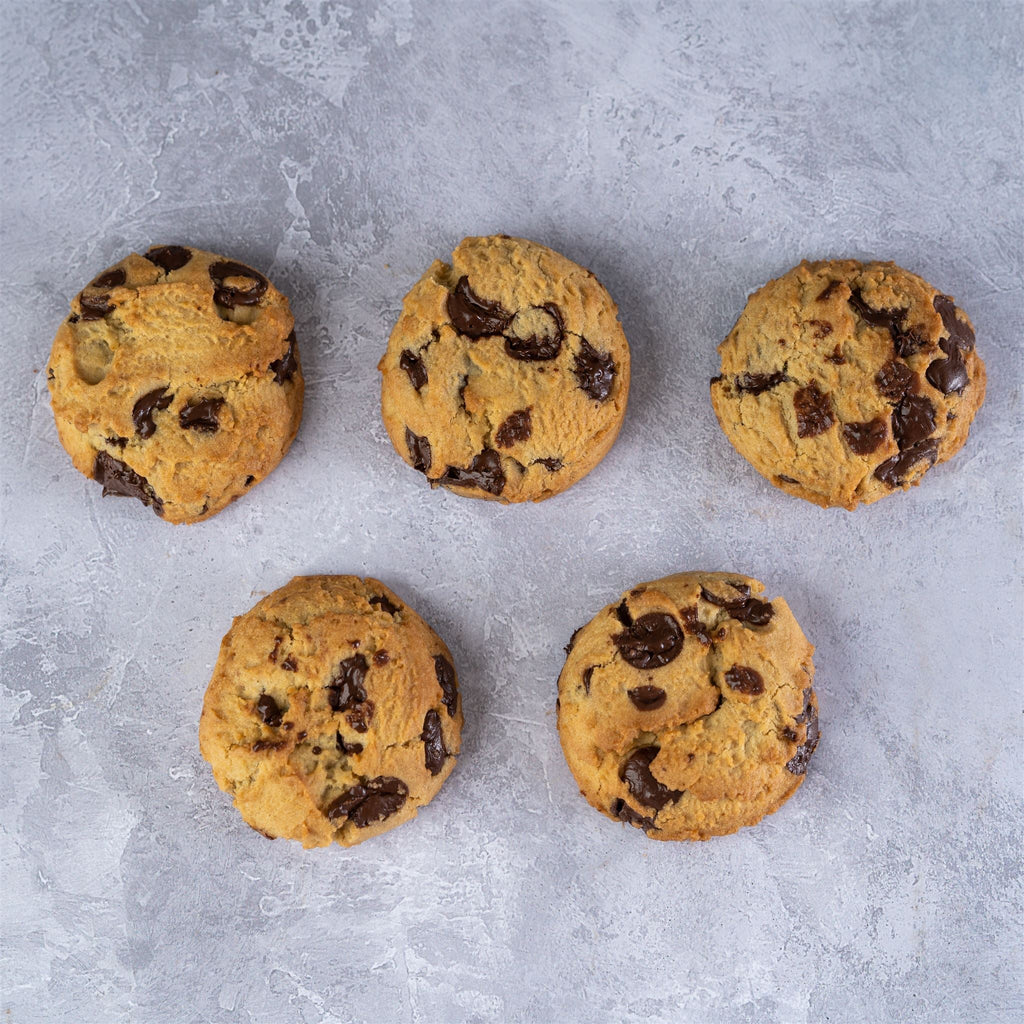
<point x="117" y="441"/>
<point x="693" y="625"/>
<point x="267" y="709"/>
<point x="121" y="480"/>
<point x="285" y="367"/>
<point x="758" y="383"/>
<point x="374" y="800"/>
<point x="594" y="371"/>
<point x="261" y="745"/>
<point x="864" y="438"/>
<point x="913" y="420"/>
<point x="385" y="605"/>
<point x="381" y="658"/>
<point x="169" y="257"/>
<point x="797" y="764"/>
<point x="472" y="316"/>
<point x="537" y="348"/>
<point x="960" y="333"/>
<point x="623" y="615"/>
<point x="827" y="291"/>
<point x="413" y="366"/>
<point x="745" y="680"/>
<point x="201" y="414"/>
<point x="647" y="698"/>
<point x="445" y="673"/>
<point x="822" y="329"/>
<point x="361" y="716"/>
<point x="142" y="411"/>
<point x="894" y="380"/>
<point x="625" y="813"/>
<point x="813" y="410"/>
<point x="636" y="773"/>
<point x="346" y="689"/>
<point x="893" y="471"/>
<point x="517" y="427"/>
<point x="347" y="748"/>
<point x="231" y="297"/>
<point x="111" y="279"/>
<point x="250" y="480"/>
<point x="837" y="356"/>
<point x="949" y="374"/>
<point x="552" y="465"/>
<point x="419" y="451"/>
<point x="290" y="664"/>
<point x="572" y="640"/>
<point x="434" y="750"/>
<point x="652" y="641"/>
<point x="890" y="319"/>
<point x="484" y="472"/>
<point x="588" y="675"/>
<point x="95" y="307"/>
<point x="744" y="609"/>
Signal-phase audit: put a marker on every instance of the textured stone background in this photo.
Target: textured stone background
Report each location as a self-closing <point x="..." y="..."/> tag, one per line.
<point x="686" y="153"/>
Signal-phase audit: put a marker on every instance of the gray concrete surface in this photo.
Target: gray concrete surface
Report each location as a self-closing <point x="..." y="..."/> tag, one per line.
<point x="685" y="152"/>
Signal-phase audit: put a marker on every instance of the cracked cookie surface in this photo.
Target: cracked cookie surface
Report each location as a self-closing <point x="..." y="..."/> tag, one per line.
<point x="507" y="374"/>
<point x="333" y="713"/>
<point x="842" y="382"/>
<point x="176" y="380"/>
<point x="686" y="708"/>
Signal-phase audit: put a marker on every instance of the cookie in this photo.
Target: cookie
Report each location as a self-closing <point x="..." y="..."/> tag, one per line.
<point x="686" y="708"/>
<point x="842" y="382"/>
<point x="333" y="712"/>
<point x="507" y="374"/>
<point x="176" y="380"/>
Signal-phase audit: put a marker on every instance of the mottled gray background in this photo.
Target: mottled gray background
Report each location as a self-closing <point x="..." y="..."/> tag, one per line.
<point x="685" y="152"/>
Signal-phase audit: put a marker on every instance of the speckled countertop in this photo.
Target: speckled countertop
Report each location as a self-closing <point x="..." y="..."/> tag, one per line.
<point x="686" y="153"/>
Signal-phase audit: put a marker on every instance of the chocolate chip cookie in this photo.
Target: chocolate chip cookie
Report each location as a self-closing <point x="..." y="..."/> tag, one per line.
<point x="507" y="374"/>
<point x="176" y="380"/>
<point x="686" y="708"/>
<point x="333" y="712"/>
<point x="842" y="381"/>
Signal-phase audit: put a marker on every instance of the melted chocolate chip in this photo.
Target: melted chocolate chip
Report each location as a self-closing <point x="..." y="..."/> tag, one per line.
<point x="518" y="427"/>
<point x="552" y="465"/>
<point x="277" y="646"/>
<point x="94" y="307"/>
<point x="121" y="480"/>
<point x="142" y="411"/>
<point x="636" y="773"/>
<point x="960" y="333"/>
<point x="290" y="664"/>
<point x="472" y="316"/>
<point x="285" y="367"/>
<point x="822" y="329"/>
<point x="837" y="356"/>
<point x="201" y="414"/>
<point x="594" y="371"/>
<point x="894" y="380"/>
<point x="913" y="420"/>
<point x="419" y="451"/>
<point x="745" y="680"/>
<point x="693" y="625"/>
<point x="111" y="279"/>
<point x="267" y="709"/>
<point x="361" y="716"/>
<point x="250" y="480"/>
<point x="745" y="609"/>
<point x="623" y="615"/>
<point x="413" y="366"/>
<point x="434" y="750"/>
<point x="169" y="257"/>
<point x="813" y="410"/>
<point x="652" y="641"/>
<point x="374" y="800"/>
<point x="797" y="764"/>
<point x="537" y="348"/>
<point x="445" y="673"/>
<point x="381" y="658"/>
<point x="625" y="813"/>
<point x="381" y="602"/>
<point x="588" y="675"/>
<point x="949" y="374"/>
<point x="758" y="383"/>
<point x="117" y="441"/>
<point x="345" y="689"/>
<point x="229" y="297"/>
<point x="890" y="319"/>
<point x="893" y="471"/>
<point x="864" y="438"/>
<point x="647" y="698"/>
<point x="484" y="472"/>
<point x="347" y="748"/>
<point x="827" y="291"/>
<point x="261" y="745"/>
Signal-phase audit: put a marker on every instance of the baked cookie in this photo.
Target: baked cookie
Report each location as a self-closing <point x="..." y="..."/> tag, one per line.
<point x="176" y="380"/>
<point x="686" y="709"/>
<point x="507" y="374"/>
<point x="333" y="712"/>
<point x="843" y="381"/>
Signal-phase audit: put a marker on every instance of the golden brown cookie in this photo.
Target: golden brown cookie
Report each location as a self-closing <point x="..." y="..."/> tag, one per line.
<point x="686" y="708"/>
<point x="507" y="374"/>
<point x="844" y="381"/>
<point x="176" y="380"/>
<point x="333" y="712"/>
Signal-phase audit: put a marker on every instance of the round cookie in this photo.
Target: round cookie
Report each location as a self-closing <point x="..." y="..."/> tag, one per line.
<point x="176" y="380"/>
<point x="507" y="374"/>
<point x="686" y="709"/>
<point x="333" y="712"/>
<point x="844" y="381"/>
